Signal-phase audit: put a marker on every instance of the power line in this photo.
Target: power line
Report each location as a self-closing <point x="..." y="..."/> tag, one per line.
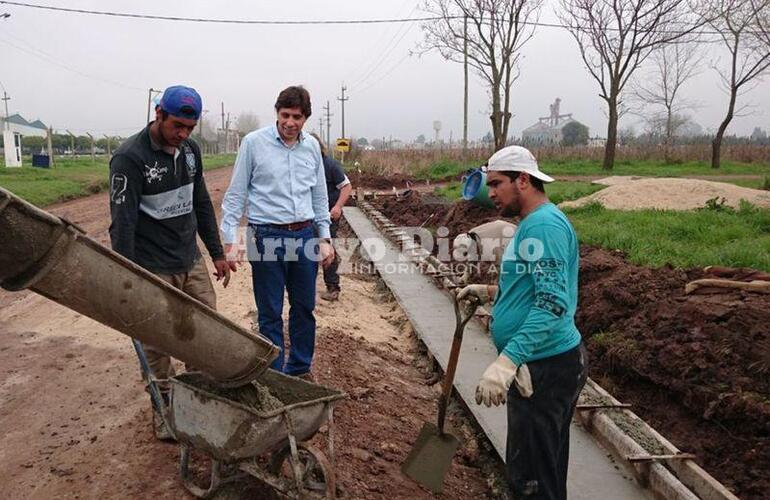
<point x="385" y="75"/>
<point x="219" y="21"/>
<point x="323" y="21"/>
<point x="386" y="48"/>
<point x="381" y="60"/>
<point x="49" y="59"/>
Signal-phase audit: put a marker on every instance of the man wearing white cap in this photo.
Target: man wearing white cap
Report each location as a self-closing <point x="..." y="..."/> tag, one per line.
<point x="541" y="368"/>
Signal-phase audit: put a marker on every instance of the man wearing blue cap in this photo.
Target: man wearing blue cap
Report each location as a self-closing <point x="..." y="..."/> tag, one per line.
<point x="159" y="203"/>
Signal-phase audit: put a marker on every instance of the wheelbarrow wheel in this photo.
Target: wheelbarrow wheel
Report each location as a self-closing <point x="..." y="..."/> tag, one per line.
<point x="316" y="473"/>
<point x="220" y="474"/>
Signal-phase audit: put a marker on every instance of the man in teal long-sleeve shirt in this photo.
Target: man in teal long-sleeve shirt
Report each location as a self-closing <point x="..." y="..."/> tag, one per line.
<point x="541" y="368"/>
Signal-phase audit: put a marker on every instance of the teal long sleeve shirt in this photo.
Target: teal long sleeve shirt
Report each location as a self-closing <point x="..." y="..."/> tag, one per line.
<point x="534" y="312"/>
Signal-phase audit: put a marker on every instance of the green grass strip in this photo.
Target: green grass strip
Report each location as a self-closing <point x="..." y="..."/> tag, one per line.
<point x="697" y="238"/>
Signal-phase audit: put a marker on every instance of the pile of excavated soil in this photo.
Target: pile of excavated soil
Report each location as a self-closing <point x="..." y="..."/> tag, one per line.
<point x="427" y="211"/>
<point x="670" y="194"/>
<point x="696" y="367"/>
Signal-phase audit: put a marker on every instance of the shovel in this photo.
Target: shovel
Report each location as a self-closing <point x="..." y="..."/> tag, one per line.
<point x="432" y="453"/>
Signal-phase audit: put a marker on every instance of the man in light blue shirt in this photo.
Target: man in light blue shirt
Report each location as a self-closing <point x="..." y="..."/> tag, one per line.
<point x="279" y="178"/>
<point x="541" y="367"/>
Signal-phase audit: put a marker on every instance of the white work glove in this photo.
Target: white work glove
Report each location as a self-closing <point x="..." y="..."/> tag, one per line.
<point x="494" y="384"/>
<point x="481" y="292"/>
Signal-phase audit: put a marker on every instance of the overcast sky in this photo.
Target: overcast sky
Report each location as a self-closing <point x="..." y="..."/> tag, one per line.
<point x="113" y="61"/>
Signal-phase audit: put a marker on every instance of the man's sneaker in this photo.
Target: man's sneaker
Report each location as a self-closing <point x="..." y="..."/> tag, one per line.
<point x="330" y="295"/>
<point x="159" y="428"/>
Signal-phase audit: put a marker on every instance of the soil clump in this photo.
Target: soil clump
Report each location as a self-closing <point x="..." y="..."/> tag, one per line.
<point x="693" y="366"/>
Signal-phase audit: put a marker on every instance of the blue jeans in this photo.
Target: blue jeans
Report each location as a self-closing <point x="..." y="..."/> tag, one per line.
<point x="281" y="264"/>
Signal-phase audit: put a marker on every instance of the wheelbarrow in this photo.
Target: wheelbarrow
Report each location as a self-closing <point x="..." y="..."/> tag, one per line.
<point x="269" y="444"/>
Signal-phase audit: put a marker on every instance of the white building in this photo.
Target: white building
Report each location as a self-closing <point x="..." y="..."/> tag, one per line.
<point x="548" y="129"/>
<point x="19" y="125"/>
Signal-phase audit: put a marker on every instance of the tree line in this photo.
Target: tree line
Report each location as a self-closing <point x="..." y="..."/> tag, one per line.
<point x="615" y="38"/>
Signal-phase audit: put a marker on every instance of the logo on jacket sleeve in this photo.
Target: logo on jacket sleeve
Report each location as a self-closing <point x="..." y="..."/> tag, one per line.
<point x="118" y="188"/>
<point x="192" y="164"/>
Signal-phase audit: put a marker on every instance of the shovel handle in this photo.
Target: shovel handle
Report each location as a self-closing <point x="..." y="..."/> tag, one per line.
<point x="454" y="355"/>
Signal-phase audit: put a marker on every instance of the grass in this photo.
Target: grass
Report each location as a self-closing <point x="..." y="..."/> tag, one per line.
<point x="652" y="168"/>
<point x="445" y="168"/>
<point x="763" y="183"/>
<point x="557" y="192"/>
<point x="726" y="237"/>
<point x="442" y="169"/>
<point x="697" y="238"/>
<point x="71" y="178"/>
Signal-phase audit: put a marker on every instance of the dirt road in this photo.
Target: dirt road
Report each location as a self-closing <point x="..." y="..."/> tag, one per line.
<point x="76" y="423"/>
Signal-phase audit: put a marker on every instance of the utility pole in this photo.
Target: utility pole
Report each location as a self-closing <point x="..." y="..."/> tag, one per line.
<point x="93" y="147"/>
<point x="50" y="147"/>
<point x="200" y="126"/>
<point x="465" y="90"/>
<point x="227" y="134"/>
<point x="109" y="149"/>
<point x="329" y="115"/>
<point x="149" y="102"/>
<point x="6" y="99"/>
<point x="223" y="114"/>
<point x="72" y="142"/>
<point x="321" y="128"/>
<point x="342" y="100"/>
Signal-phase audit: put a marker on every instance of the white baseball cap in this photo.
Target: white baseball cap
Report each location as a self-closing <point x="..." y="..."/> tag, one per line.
<point x="516" y="159"/>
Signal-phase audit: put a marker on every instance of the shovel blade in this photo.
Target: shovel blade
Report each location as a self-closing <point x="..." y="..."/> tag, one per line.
<point x="430" y="458"/>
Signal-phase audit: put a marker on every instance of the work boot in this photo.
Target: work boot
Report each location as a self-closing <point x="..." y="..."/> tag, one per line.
<point x="330" y="295"/>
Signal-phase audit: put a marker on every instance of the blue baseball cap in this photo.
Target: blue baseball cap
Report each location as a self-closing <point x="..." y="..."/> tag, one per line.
<point x="182" y="102"/>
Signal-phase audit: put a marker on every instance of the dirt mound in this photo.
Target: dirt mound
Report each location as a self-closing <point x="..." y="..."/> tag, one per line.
<point x="670" y="194"/>
<point x="429" y="211"/>
<point x="694" y="366"/>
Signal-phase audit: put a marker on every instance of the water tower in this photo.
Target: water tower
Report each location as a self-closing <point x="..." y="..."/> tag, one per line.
<point x="437" y="128"/>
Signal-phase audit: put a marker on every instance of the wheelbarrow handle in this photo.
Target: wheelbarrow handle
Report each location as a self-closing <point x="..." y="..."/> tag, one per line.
<point x="454" y="355"/>
<point x="157" y="398"/>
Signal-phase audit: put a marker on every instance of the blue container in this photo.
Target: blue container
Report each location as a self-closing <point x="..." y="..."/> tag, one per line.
<point x="475" y="189"/>
<point x="42" y="161"/>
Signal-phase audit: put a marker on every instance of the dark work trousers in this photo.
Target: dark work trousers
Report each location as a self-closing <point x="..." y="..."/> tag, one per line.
<point x="537" y="452"/>
<point x="331" y="278"/>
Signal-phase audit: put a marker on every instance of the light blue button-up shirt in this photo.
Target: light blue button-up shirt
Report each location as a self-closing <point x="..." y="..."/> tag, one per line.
<point x="282" y="184"/>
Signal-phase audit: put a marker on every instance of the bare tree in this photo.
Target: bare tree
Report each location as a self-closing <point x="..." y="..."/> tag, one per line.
<point x="247" y="122"/>
<point x="497" y="30"/>
<point x="743" y="26"/>
<point x="660" y="97"/>
<point x="616" y="36"/>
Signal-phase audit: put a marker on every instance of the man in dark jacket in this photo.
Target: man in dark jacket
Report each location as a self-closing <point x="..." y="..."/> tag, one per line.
<point x="159" y="203"/>
<point x="339" y="188"/>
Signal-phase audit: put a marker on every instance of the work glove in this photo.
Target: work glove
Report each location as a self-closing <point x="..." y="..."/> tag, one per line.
<point x="481" y="292"/>
<point x="494" y="384"/>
